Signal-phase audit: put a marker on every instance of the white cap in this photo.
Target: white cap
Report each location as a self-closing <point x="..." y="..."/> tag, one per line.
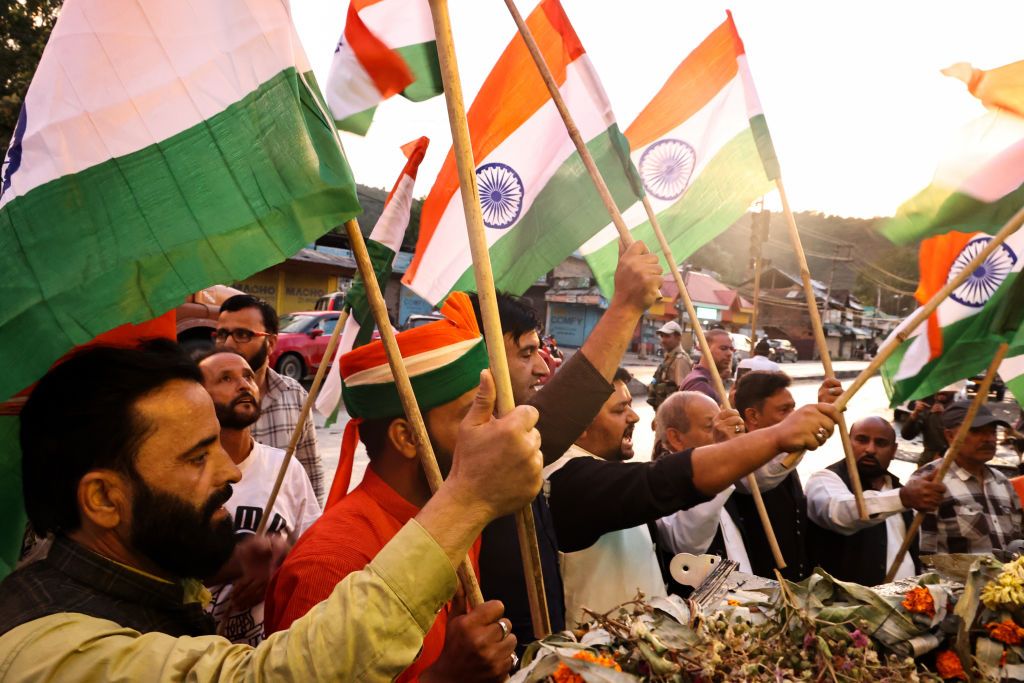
<point x="671" y="327"/>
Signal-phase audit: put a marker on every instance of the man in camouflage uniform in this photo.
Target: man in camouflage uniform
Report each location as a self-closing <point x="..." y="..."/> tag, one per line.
<point x="673" y="369"/>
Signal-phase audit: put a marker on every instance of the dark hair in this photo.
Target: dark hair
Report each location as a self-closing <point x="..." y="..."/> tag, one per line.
<point x="242" y="301"/>
<point x="622" y="375"/>
<point x="374" y="433"/>
<point x="763" y="348"/>
<point x="516" y="314"/>
<point x="757" y="385"/>
<point x="81" y="417"/>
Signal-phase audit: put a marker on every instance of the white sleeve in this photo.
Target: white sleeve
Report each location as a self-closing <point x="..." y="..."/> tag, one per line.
<point x="768" y="475"/>
<point x="831" y="505"/>
<point x="307" y="508"/>
<point x="692" y="530"/>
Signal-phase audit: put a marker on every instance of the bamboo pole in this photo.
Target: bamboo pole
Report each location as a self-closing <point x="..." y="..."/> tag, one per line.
<point x="951" y="453"/>
<point x="819" y="339"/>
<point x="922" y="314"/>
<point x="404" y="385"/>
<point x="757" y="281"/>
<point x="379" y="309"/>
<point x="307" y="405"/>
<point x="466" y="167"/>
<point x="626" y="238"/>
<point x="716" y="377"/>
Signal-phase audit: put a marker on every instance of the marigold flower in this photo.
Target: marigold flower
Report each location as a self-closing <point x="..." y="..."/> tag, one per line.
<point x="1006" y="632"/>
<point x="564" y="674"/>
<point x="920" y="601"/>
<point x="948" y="665"/>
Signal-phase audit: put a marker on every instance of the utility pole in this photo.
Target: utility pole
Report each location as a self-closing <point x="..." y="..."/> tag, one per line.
<point x="828" y="291"/>
<point x="758" y="234"/>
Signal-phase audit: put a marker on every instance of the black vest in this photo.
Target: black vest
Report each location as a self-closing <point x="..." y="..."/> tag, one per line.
<point x="73" y="579"/>
<point x="787" y="509"/>
<point x="860" y="557"/>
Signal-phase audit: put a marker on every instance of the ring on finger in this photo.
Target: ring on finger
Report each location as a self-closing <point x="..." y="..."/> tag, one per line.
<point x="504" y="628"/>
<point x="739" y="429"/>
<point x="822" y="434"/>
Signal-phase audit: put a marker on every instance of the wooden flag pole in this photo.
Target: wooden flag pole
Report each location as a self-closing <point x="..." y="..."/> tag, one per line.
<point x="822" y="344"/>
<point x="405" y="392"/>
<point x="756" y="237"/>
<point x="626" y="238"/>
<point x="466" y="167"/>
<point x="922" y="314"/>
<point x="716" y="377"/>
<point x="951" y="453"/>
<point x="398" y="370"/>
<point x="307" y="405"/>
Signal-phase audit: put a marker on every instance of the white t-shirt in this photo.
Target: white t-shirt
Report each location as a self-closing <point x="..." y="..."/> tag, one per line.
<point x="295" y="510"/>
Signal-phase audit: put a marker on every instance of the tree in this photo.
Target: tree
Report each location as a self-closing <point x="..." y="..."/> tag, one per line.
<point x="25" y="27"/>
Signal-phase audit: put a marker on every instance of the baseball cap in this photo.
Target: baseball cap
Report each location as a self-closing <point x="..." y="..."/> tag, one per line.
<point x="955" y="413"/>
<point x="671" y="327"/>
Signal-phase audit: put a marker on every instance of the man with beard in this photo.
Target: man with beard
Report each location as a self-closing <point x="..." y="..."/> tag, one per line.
<point x="980" y="511"/>
<point x="567" y="404"/>
<point x="852" y="549"/>
<point x="699" y="378"/>
<point x="132" y="485"/>
<point x="239" y="589"/>
<point x="248" y="326"/>
<point x="601" y="505"/>
<point x="445" y="360"/>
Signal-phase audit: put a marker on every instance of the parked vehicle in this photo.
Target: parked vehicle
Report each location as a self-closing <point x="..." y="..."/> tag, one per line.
<point x="417" y="320"/>
<point x="782" y="351"/>
<point x="997" y="391"/>
<point x="301" y="342"/>
<point x="330" y="302"/>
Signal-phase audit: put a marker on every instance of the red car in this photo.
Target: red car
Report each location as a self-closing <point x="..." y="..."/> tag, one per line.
<point x="301" y="342"/>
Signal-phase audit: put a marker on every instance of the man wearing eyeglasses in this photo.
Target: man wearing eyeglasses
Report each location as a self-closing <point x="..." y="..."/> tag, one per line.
<point x="248" y="325"/>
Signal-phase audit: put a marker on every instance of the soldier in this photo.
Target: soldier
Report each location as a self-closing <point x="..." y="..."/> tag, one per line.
<point x="673" y="370"/>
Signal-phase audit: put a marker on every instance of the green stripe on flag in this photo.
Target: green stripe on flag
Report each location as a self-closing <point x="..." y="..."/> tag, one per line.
<point x="422" y="61"/>
<point x="566" y="213"/>
<point x="130" y="238"/>
<point x="765" y="147"/>
<point x="12" y="511"/>
<point x="381" y="257"/>
<point x="357" y="123"/>
<point x="935" y="210"/>
<point x="718" y="197"/>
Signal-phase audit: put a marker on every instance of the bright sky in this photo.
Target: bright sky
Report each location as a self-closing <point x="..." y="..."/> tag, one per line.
<point x="857" y="108"/>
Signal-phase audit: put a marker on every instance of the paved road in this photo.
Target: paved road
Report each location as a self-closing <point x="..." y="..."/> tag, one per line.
<point x="871" y="400"/>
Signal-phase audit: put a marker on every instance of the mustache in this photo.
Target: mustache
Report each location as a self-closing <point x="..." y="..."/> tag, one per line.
<point x="245" y="396"/>
<point x="217" y="501"/>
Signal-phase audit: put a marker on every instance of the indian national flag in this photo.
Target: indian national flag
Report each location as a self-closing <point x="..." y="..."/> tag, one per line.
<point x="1011" y="371"/>
<point x="162" y="147"/>
<point x="703" y="151"/>
<point x="980" y="183"/>
<point x="539" y="204"/>
<point x="384" y="242"/>
<point x="960" y="338"/>
<point x="387" y="48"/>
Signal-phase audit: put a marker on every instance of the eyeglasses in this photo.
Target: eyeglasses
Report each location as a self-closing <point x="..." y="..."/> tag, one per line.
<point x="239" y="334"/>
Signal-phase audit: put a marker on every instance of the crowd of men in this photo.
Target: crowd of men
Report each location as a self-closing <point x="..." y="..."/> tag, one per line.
<point x="148" y="472"/>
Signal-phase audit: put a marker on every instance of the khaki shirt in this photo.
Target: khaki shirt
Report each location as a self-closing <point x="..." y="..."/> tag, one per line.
<point x="369" y="629"/>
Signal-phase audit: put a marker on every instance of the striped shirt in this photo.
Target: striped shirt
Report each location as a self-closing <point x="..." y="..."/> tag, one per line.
<point x="281" y="406"/>
<point x="977" y="515"/>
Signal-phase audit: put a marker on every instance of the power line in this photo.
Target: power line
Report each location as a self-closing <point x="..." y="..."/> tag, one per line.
<point x="886" y="272"/>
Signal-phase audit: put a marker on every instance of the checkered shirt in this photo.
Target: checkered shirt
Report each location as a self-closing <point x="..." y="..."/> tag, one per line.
<point x="282" y="404"/>
<point x="976" y="516"/>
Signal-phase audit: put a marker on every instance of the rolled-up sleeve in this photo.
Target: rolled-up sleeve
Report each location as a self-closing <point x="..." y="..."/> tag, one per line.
<point x="369" y="629"/>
